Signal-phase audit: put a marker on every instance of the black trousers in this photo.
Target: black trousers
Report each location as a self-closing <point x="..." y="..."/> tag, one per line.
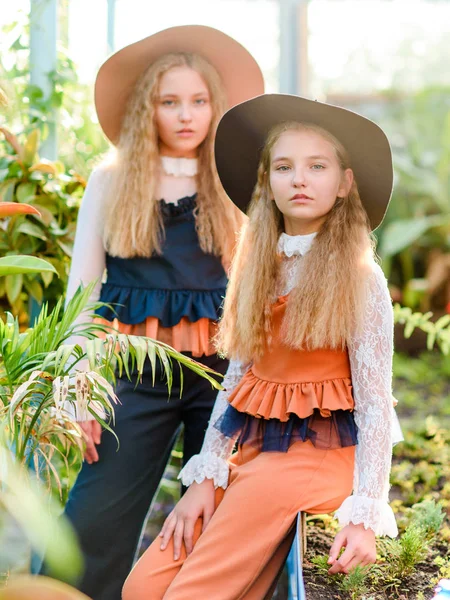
<point x="111" y="498"/>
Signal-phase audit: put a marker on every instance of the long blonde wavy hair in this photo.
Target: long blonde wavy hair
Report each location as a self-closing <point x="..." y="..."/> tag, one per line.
<point x="132" y="218"/>
<point x="327" y="301"/>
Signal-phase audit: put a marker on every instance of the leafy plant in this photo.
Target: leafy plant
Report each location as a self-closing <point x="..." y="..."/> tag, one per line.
<point x="33" y="510"/>
<point x="19" y="265"/>
<point x="321" y="562"/>
<point x="38" y="388"/>
<point x="38" y="380"/>
<point x="48" y="232"/>
<point x="444" y="566"/>
<point x="80" y="139"/>
<point x="437" y="333"/>
<point x="428" y="516"/>
<point x="418" y="219"/>
<point x="404" y="553"/>
<point x="355" y="583"/>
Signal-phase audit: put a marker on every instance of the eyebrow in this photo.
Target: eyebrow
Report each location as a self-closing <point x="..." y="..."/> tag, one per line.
<point x="315" y="157"/>
<point x="171" y="95"/>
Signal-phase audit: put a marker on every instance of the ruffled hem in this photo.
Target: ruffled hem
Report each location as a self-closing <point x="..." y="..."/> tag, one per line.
<point x="132" y="305"/>
<point x="271" y="400"/>
<point x="336" y="431"/>
<point x="373" y="514"/>
<point x="205" y="466"/>
<point x="184" y="336"/>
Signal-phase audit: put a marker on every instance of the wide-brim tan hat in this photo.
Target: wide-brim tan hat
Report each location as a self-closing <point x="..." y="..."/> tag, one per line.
<point x="243" y="130"/>
<point x="117" y="77"/>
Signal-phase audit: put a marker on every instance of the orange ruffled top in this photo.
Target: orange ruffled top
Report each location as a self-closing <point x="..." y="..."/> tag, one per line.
<point x="186" y="336"/>
<point x="286" y="381"/>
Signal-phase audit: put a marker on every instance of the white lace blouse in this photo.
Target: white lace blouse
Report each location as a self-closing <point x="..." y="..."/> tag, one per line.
<point x="371" y="367"/>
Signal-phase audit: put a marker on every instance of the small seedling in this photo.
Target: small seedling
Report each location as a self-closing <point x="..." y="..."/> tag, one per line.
<point x="355" y="583"/>
<point x="404" y="553"/>
<point x="444" y="567"/>
<point x="321" y="562"/>
<point x="429" y="516"/>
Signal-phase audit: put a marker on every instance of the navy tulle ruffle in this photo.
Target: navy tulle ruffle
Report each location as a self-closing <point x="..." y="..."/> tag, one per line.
<point x="185" y="205"/>
<point x="271" y="435"/>
<point x="132" y="305"/>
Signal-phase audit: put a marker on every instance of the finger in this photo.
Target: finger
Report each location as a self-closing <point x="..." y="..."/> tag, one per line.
<point x="96" y="432"/>
<point x="355" y="562"/>
<point x="341" y="565"/>
<point x="206" y="519"/>
<point x="188" y="535"/>
<point x="86" y="429"/>
<point x="91" y="452"/>
<point x="169" y="527"/>
<point x="339" y="542"/>
<point x="170" y="518"/>
<point x="91" y="456"/>
<point x="178" y="539"/>
<point x="164" y="527"/>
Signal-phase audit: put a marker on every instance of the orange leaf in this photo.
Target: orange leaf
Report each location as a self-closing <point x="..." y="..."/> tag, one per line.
<point x="14" y="208"/>
<point x="11" y="138"/>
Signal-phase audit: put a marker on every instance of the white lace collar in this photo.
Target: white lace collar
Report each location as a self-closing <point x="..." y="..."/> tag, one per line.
<point x="295" y="245"/>
<point x="179" y="167"/>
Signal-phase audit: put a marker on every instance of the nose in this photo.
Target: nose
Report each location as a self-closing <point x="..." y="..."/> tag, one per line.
<point x="185" y="115"/>
<point x="298" y="177"/>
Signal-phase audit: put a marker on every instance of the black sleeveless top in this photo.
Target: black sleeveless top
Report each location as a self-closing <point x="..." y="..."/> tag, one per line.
<point x="183" y="281"/>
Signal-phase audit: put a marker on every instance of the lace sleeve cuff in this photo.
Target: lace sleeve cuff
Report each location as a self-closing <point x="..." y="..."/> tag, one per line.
<point x="205" y="466"/>
<point x="373" y="514"/>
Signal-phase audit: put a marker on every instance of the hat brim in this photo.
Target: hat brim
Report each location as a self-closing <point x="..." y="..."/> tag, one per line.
<point x="241" y="76"/>
<point x="243" y="130"/>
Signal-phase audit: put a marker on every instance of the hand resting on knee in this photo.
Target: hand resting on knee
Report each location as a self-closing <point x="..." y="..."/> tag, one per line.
<point x="198" y="502"/>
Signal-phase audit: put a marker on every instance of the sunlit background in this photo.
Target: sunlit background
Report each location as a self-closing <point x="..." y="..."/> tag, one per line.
<point x="352" y="46"/>
<point x="388" y="60"/>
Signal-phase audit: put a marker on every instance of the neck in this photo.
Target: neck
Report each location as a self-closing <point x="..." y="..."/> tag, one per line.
<point x="296" y="227"/>
<point x="174" y="154"/>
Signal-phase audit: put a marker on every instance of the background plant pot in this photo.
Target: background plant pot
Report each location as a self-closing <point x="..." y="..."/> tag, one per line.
<point x="39" y="588"/>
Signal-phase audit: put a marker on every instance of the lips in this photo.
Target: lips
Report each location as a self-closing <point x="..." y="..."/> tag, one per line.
<point x="301" y="197"/>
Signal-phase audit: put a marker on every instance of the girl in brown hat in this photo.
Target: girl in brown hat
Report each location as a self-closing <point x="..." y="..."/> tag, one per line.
<point x="308" y="327"/>
<point x="161" y="224"/>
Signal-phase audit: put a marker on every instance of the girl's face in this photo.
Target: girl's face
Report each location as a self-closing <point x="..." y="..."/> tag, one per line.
<point x="305" y="180"/>
<point x="183" y="112"/>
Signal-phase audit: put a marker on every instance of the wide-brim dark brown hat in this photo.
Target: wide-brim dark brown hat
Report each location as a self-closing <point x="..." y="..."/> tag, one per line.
<point x="243" y="130"/>
<point x="117" y="77"/>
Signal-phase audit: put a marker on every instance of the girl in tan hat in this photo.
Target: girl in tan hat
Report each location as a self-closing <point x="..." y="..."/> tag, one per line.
<point x="161" y="224"/>
<point x="308" y="327"/>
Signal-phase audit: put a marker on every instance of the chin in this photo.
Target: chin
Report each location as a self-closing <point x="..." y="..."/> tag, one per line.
<point x="190" y="146"/>
<point x="303" y="213"/>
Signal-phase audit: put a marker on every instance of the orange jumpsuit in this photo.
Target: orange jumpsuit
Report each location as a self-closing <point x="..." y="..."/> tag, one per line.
<point x="241" y="552"/>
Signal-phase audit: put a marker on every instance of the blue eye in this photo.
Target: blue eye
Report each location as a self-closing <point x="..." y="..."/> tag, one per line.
<point x="200" y="101"/>
<point x="283" y="168"/>
<point x="168" y="102"/>
<point x="317" y="167"/>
